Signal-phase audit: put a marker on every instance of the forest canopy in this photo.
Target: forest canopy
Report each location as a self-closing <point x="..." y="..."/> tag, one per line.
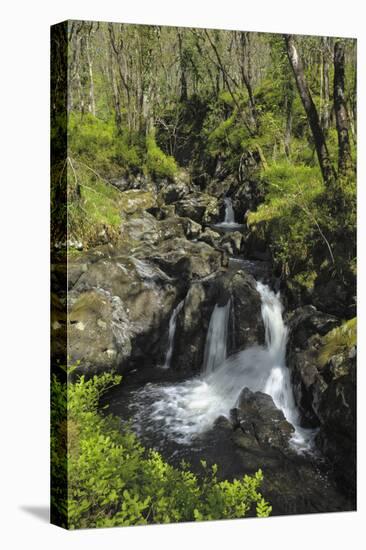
<point x="162" y="101"/>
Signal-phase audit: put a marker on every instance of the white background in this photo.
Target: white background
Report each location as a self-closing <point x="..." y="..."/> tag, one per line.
<point x="24" y="218"/>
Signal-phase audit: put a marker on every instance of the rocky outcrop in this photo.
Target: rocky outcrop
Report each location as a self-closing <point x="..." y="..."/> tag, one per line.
<point x="245" y="323"/>
<point x="200" y="207"/>
<point x="173" y="192"/>
<point x="118" y="309"/>
<point x="257" y="435"/>
<point x="323" y="370"/>
<point x="232" y="242"/>
<point x="336" y="410"/>
<point x="306" y="326"/>
<point x="121" y="296"/>
<point x="186" y="260"/>
<point x="306" y="321"/>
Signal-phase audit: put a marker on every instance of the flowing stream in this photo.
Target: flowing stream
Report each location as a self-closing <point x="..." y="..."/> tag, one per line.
<point x="172" y="327"/>
<point x="229" y="223"/>
<point x="215" y="348"/>
<point x="229" y="211"/>
<point x="186" y="409"/>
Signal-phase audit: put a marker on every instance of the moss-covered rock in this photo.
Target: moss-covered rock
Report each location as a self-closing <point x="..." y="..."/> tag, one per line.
<point x="323" y="367"/>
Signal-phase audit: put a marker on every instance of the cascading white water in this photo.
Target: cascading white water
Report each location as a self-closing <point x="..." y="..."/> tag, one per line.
<point x="171" y="334"/>
<point x="189" y="408"/>
<point x="229" y="223"/>
<point x="215" y="348"/>
<point x="229" y="211"/>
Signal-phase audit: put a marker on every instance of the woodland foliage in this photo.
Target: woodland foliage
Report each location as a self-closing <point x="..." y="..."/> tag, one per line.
<point x="112" y="480"/>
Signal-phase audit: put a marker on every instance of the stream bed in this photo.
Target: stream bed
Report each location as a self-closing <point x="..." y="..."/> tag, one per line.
<point x="191" y="418"/>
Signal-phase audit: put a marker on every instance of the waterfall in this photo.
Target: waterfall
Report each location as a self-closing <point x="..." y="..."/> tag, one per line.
<point x="188" y="408"/>
<point x="215" y="348"/>
<point x="229" y="211"/>
<point x="229" y="221"/>
<point x="171" y="334"/>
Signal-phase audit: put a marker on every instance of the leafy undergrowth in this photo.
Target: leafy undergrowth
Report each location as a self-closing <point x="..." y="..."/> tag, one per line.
<point x="339" y="340"/>
<point x="114" y="481"/>
<point x="97" y="155"/>
<point x="287" y="186"/>
<point x="97" y="209"/>
<point x="289" y="217"/>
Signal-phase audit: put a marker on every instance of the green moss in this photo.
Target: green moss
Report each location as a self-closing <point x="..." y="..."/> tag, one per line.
<point x="339" y="340"/>
<point x="158" y="164"/>
<point x="288" y="217"/>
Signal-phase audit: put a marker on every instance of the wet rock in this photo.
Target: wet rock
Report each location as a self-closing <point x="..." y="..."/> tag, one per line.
<point x="323" y="371"/>
<point x="306" y="321"/>
<point x="175" y="191"/>
<point x="200" y="207"/>
<point x="246" y="316"/>
<point x="260" y="422"/>
<point x="336" y="410"/>
<point x="118" y="309"/>
<point x="181" y="258"/>
<point x="210" y="237"/>
<point x="235" y="240"/>
<point x="306" y="327"/>
<point x="192" y="326"/>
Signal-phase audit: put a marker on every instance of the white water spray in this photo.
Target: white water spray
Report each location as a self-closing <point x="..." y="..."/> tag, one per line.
<point x="171" y="334"/>
<point x="229" y="211"/>
<point x="229" y="223"/>
<point x="189" y="408"/>
<point x="215" y="348"/>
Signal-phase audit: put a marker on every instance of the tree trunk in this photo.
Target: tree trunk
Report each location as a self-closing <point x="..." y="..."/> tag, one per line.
<point x="182" y="63"/>
<point x="247" y="76"/>
<point x="325" y="119"/>
<point x="288" y="128"/>
<point x="115" y="93"/>
<point x="326" y="167"/>
<point x="91" y="78"/>
<point x="344" y="148"/>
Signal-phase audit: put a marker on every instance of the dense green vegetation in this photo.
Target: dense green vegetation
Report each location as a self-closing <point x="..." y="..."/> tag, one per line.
<point x="339" y="340"/>
<point x="148" y="106"/>
<point x="213" y="103"/>
<point x="113" y="480"/>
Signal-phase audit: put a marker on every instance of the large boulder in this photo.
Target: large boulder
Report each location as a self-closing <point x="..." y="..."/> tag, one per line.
<point x="245" y="322"/>
<point x="200" y="207"/>
<point x="137" y="200"/>
<point x="175" y="191"/>
<point x="192" y="326"/>
<point x="246" y="311"/>
<point x="119" y="307"/>
<point x="259" y="422"/>
<point x="187" y="260"/>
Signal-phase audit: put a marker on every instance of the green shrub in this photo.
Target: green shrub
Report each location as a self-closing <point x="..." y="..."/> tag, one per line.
<point x="339" y="340"/>
<point x="113" y="480"/>
<point x="158" y="164"/>
<point x="289" y="218"/>
<point x="92" y="140"/>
